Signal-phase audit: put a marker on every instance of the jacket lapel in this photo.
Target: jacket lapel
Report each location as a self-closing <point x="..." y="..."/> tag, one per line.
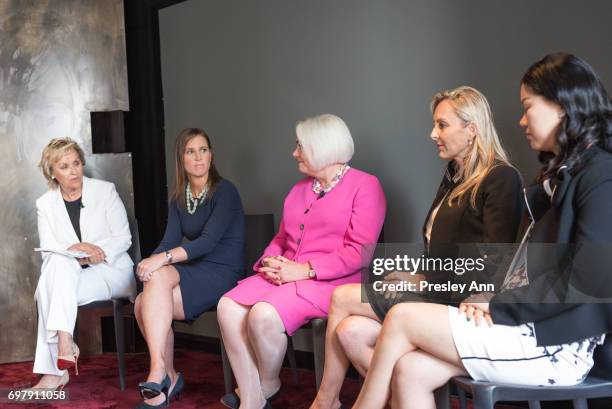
<point x="87" y="202"/>
<point x="63" y="219"/>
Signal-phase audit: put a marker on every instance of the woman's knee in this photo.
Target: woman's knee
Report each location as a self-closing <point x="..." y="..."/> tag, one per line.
<point x="166" y="276"/>
<point x="228" y="311"/>
<point x="404" y="315"/>
<point x="407" y="369"/>
<point x="422" y="371"/>
<point x="60" y="266"/>
<point x="263" y="318"/>
<point x="350" y="333"/>
<point x="345" y="294"/>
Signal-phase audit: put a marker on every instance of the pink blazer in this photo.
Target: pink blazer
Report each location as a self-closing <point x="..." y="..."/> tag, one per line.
<point x="333" y="233"/>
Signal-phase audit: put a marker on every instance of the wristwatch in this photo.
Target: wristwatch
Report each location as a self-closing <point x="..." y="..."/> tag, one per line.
<point x="169" y="257"/>
<point x="312" y="273"/>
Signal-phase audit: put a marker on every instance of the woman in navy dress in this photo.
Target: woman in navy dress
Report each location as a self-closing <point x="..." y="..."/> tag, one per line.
<point x="183" y="279"/>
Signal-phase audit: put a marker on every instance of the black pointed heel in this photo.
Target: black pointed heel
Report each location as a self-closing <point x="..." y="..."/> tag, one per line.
<point x="178" y="388"/>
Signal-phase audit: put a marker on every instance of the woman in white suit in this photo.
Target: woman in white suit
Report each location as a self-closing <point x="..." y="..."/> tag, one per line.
<point x="82" y="215"/>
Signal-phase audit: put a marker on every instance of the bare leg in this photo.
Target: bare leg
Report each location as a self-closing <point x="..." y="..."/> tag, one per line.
<point x="178" y="314"/>
<point x="407" y="327"/>
<point x="138" y="314"/>
<point x="416" y="376"/>
<point x="156" y="307"/>
<point x="266" y="333"/>
<point x="169" y="351"/>
<point x="346" y="301"/>
<point x="358" y="335"/>
<point x="233" y="323"/>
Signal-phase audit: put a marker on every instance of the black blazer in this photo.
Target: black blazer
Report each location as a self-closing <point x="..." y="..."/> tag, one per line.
<point x="460" y="230"/>
<point x="495" y="219"/>
<point x="578" y="219"/>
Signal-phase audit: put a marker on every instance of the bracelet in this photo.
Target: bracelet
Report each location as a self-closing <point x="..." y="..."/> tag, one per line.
<point x="168" y="257"/>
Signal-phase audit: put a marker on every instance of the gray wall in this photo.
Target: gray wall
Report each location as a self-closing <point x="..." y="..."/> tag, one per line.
<point x="246" y="71"/>
<point x="59" y="60"/>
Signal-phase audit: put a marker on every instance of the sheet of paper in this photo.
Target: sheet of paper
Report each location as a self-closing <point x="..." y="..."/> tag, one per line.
<point x="68" y="253"/>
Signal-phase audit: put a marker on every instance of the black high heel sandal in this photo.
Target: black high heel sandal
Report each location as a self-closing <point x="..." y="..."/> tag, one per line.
<point x="150" y="390"/>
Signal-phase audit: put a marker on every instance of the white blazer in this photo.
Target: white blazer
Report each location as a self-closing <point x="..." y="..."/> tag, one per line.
<point x="103" y="222"/>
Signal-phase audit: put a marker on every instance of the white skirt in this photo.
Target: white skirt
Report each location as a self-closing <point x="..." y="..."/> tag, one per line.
<point x="509" y="354"/>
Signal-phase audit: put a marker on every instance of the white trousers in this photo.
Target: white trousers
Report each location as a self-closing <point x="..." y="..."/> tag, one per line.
<point x="63" y="286"/>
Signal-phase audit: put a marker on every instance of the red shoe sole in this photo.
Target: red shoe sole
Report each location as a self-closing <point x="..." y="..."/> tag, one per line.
<point x="64" y="364"/>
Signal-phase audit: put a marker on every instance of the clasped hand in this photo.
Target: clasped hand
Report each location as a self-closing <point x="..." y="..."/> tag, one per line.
<point x="280" y="270"/>
<point x="148" y="265"/>
<point x="476" y="307"/>
<point x="96" y="254"/>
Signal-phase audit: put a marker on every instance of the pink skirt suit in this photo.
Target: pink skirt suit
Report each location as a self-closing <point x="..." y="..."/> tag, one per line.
<point x="330" y="232"/>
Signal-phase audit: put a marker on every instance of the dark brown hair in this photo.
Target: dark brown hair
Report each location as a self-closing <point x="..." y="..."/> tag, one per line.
<point x="182" y="139"/>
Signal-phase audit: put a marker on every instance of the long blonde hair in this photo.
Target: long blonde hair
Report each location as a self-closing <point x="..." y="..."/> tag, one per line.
<point x="486" y="151"/>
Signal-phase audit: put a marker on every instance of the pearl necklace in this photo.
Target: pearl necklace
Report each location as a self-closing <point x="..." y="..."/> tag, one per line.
<point x="317" y="187"/>
<point x="193" y="203"/>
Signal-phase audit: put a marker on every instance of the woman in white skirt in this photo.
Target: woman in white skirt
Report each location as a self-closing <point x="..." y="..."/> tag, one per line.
<point x="83" y="215"/>
<point x="537" y="330"/>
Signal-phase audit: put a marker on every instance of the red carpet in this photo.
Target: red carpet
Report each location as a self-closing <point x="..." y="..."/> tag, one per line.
<point x="97" y="386"/>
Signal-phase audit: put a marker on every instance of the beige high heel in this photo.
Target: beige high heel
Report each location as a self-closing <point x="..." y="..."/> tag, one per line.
<point x="60" y="385"/>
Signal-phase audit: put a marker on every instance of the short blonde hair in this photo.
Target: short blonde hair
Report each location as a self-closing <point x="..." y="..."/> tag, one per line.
<point x="53" y="152"/>
<point x="486" y="150"/>
<point x="325" y="140"/>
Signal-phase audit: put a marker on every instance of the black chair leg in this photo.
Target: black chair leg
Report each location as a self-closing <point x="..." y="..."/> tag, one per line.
<point x="119" y="340"/>
<point x="462" y="398"/>
<point x="580" y="404"/>
<point x="318" y="348"/>
<point x="534" y="404"/>
<point x="292" y="360"/>
<point x="227" y="368"/>
<point x="482" y="399"/>
<point x="442" y="397"/>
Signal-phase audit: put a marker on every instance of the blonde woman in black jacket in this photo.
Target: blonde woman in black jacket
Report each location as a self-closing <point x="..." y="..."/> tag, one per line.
<point x="478" y="201"/>
<point x="552" y="312"/>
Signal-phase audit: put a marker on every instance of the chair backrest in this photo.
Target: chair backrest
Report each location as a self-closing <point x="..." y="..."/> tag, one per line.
<point x="259" y="233"/>
<point x="134" y="250"/>
<point x="602" y="356"/>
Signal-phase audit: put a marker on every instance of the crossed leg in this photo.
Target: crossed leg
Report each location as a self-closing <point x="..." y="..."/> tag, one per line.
<point x="410" y="328"/>
<point x="159" y="303"/>
<point x="346" y="301"/>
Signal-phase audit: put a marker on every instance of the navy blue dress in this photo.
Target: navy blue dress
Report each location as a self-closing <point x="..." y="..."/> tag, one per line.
<point x="215" y="250"/>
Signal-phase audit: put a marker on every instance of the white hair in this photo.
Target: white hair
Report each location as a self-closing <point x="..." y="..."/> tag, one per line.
<point x="325" y="140"/>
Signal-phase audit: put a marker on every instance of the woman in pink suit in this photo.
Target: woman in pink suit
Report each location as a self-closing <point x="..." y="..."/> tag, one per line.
<point x="330" y="219"/>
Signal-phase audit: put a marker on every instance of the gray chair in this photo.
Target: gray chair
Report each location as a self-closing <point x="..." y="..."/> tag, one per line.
<point x="597" y="385"/>
<point x="318" y="326"/>
<point x="117" y="305"/>
<point x="259" y="233"/>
